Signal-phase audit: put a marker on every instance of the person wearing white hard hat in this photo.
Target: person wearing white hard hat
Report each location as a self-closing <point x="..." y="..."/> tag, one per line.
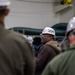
<point x="48" y="51"/>
<point x="16" y="54"/>
<point x="64" y="64"/>
<point x="30" y="39"/>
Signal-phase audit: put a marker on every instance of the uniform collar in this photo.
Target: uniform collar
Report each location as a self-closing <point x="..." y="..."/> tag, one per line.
<point x="72" y="47"/>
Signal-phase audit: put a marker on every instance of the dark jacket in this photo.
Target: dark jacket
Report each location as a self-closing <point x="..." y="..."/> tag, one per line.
<point x="16" y="56"/>
<point x="47" y="52"/>
<point x="63" y="64"/>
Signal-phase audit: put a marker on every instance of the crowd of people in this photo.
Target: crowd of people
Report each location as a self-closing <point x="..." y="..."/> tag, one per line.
<point x="21" y="55"/>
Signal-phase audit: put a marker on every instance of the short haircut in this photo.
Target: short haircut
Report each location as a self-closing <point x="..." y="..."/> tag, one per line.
<point x="2" y="9"/>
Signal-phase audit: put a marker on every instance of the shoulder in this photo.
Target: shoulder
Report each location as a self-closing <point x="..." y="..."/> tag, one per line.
<point x="46" y="46"/>
<point x="47" y="49"/>
<point x="60" y="60"/>
<point x="59" y="63"/>
<point x="15" y="36"/>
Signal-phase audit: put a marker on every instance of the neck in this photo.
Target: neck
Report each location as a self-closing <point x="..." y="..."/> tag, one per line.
<point x="51" y="40"/>
<point x="1" y="19"/>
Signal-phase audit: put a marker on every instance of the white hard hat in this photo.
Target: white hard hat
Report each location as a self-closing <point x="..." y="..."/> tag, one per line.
<point x="71" y="25"/>
<point x="48" y="30"/>
<point x="30" y="39"/>
<point x="4" y="2"/>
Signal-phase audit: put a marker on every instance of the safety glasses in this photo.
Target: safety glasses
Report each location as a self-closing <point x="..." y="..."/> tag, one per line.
<point x="73" y="33"/>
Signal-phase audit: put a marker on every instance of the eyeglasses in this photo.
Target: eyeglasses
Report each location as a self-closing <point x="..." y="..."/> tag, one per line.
<point x="72" y="33"/>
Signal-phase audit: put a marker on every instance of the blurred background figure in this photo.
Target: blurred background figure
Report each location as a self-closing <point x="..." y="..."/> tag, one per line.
<point x="37" y="45"/>
<point x="30" y="40"/>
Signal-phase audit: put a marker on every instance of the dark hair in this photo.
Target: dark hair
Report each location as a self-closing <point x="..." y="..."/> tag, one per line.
<point x="2" y="9"/>
<point x="36" y="41"/>
<point x="69" y="33"/>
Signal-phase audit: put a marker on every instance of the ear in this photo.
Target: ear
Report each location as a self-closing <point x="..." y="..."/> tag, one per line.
<point x="50" y="37"/>
<point x="70" y="37"/>
<point x="6" y="12"/>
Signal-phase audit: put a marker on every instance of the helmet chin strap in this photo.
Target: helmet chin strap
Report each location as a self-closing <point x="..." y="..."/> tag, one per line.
<point x="62" y="41"/>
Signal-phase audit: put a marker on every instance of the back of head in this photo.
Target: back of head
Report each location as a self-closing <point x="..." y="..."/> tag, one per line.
<point x="3" y="6"/>
<point x="48" y="30"/>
